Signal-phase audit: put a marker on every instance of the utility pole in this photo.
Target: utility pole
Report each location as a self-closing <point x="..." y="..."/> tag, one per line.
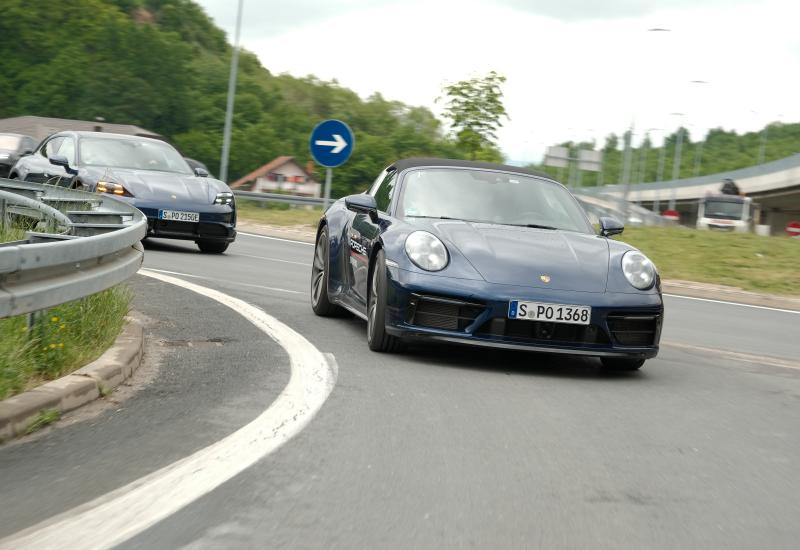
<point x="226" y="132"/>
<point x="676" y="166"/>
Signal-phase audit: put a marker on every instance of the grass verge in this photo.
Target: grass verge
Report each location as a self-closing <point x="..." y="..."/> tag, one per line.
<point x="59" y="340"/>
<point x="276" y="214"/>
<point x="744" y="260"/>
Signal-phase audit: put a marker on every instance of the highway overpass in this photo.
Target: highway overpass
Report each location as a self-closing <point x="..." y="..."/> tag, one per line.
<point x="775" y="187"/>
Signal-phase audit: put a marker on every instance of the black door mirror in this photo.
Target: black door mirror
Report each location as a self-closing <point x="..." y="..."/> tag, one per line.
<point x="610" y="226"/>
<point x="26" y="152"/>
<point x="363" y="204"/>
<point x="201" y="172"/>
<point x="61" y="160"/>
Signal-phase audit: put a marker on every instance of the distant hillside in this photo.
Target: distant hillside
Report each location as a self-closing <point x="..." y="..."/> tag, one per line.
<point x="721" y="151"/>
<point x="163" y="65"/>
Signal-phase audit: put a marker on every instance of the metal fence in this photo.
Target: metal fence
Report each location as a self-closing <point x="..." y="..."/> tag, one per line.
<point x="78" y="243"/>
<point x="280" y="198"/>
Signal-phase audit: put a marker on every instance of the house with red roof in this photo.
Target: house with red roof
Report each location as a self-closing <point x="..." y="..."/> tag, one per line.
<point x="282" y="175"/>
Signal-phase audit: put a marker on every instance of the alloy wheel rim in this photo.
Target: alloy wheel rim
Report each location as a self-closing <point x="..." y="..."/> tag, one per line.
<point x="318" y="276"/>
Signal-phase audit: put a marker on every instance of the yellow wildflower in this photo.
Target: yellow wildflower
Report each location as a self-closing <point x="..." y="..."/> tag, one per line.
<point x="54" y="319"/>
<point x="61" y="345"/>
<point x="52" y="346"/>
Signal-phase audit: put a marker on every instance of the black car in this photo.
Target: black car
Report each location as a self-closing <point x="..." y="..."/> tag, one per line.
<point x="12" y="148"/>
<point x="180" y="203"/>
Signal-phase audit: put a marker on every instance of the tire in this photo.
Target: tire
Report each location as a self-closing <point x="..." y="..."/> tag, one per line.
<point x="377" y="338"/>
<point x="615" y="364"/>
<point x="320" y="269"/>
<point x="212" y="247"/>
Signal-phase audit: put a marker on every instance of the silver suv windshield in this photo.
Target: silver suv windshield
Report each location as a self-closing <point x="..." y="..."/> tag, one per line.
<point x="490" y="197"/>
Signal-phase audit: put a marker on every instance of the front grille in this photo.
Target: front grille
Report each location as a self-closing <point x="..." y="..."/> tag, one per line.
<point x="544" y="332"/>
<point x="634" y="329"/>
<point x="442" y="313"/>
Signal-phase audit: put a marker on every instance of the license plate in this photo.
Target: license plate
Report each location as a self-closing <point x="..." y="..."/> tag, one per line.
<point x="553" y="313"/>
<point x="178" y="216"/>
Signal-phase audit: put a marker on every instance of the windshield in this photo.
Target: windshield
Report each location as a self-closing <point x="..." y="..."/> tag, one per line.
<point x="132" y="154"/>
<point x="9" y="142"/>
<point x="490" y="197"/>
<point x="727" y="210"/>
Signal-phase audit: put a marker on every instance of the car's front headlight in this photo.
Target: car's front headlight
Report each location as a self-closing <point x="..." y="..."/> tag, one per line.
<point x="426" y="251"/>
<point x="224" y="198"/>
<point x="638" y="269"/>
<point x="112" y="189"/>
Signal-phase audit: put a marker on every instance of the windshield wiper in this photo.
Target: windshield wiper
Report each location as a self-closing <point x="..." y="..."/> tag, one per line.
<point x="532" y="225"/>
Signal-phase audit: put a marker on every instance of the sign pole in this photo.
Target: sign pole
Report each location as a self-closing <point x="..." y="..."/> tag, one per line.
<point x="328" y="179"/>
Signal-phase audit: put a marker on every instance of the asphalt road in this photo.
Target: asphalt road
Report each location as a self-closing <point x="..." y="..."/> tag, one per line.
<point x="440" y="446"/>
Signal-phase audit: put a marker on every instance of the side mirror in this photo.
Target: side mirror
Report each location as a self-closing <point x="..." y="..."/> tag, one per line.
<point x="61" y="160"/>
<point x="201" y="172"/>
<point x="610" y="227"/>
<point x="26" y="152"/>
<point x="363" y="204"/>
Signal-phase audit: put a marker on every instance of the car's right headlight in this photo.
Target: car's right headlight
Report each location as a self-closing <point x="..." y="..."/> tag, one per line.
<point x="225" y="197"/>
<point x="426" y="251"/>
<point x="638" y="269"/>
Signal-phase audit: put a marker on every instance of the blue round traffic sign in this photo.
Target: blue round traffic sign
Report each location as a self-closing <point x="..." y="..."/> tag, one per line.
<point x="331" y="143"/>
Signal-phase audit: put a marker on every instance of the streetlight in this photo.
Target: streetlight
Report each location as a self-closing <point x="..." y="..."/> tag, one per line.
<point x="676" y="163"/>
<point x="226" y="132"/>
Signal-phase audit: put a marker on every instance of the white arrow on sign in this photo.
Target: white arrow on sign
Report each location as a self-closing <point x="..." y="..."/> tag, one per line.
<point x="338" y="143"/>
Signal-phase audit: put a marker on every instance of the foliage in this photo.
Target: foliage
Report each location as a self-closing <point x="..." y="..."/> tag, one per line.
<point x="60" y="340"/>
<point x="475" y="109"/>
<point x="744" y="260"/>
<point x="718" y="151"/>
<point x="163" y="65"/>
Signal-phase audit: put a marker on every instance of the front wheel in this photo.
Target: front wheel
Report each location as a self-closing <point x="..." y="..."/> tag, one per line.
<point x="320" y="303"/>
<point x="212" y="247"/>
<point x="616" y="364"/>
<point x="377" y="338"/>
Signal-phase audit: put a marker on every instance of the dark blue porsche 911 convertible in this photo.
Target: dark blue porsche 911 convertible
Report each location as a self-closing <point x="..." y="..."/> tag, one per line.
<point x="489" y="255"/>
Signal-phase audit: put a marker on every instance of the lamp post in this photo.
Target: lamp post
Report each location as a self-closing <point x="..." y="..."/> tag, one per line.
<point x="226" y="132"/>
<point x="676" y="163"/>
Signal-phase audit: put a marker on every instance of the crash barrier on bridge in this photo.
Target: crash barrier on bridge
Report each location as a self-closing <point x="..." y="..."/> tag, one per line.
<point x="81" y="243"/>
<point x="770" y="177"/>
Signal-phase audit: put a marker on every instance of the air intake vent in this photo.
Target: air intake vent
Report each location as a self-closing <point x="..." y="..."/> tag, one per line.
<point x="634" y="330"/>
<point x="442" y="313"/>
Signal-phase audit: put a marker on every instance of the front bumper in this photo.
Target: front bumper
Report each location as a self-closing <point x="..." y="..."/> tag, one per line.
<point x="469" y="312"/>
<point x="217" y="223"/>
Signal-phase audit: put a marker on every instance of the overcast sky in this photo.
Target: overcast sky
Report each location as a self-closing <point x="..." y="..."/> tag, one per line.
<point x="576" y="69"/>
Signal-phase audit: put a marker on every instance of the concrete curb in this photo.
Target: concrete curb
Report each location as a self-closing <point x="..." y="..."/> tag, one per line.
<point x="681" y="288"/>
<point x="74" y="390"/>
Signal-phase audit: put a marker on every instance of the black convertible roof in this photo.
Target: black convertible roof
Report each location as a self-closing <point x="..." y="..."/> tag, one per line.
<point x="421" y="161"/>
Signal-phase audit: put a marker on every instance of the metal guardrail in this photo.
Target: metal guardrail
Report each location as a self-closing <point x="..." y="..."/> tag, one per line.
<point x="278" y="197"/>
<point x="82" y="243"/>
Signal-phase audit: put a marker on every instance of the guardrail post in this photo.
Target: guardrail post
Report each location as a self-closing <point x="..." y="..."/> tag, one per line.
<point x="2" y="214"/>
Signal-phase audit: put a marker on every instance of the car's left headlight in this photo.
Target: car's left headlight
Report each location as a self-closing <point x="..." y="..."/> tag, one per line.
<point x="426" y="251"/>
<point x="224" y="198"/>
<point x="638" y="269"/>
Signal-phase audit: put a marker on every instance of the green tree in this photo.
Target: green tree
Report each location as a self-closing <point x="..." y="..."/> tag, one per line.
<point x="475" y="109"/>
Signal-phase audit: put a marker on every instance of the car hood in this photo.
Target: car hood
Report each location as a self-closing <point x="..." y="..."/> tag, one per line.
<point x="527" y="256"/>
<point x="153" y="185"/>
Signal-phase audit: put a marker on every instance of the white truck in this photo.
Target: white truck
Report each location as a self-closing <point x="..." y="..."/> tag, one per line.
<point x="726" y="213"/>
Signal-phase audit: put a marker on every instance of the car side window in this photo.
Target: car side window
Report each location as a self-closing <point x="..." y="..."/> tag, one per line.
<point x="67" y="149"/>
<point x="50" y="147"/>
<point x="29" y="145"/>
<point x="383" y="194"/>
<point x="374" y="187"/>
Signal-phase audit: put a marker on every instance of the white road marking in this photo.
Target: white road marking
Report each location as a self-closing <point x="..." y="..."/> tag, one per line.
<point x="212" y="279"/>
<point x="733" y="303"/>
<point x="304" y="264"/>
<point x="274" y="238"/>
<point x="121" y="514"/>
<point x="764" y="360"/>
